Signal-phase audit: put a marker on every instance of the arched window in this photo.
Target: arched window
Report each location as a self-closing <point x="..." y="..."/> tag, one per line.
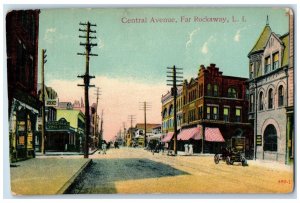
<point x="232" y="93"/>
<point x="208" y="89"/>
<point x="270" y="99"/>
<point x="280" y="95"/>
<point x="216" y="90"/>
<point x="261" y="101"/>
<point x="165" y="113"/>
<point x="270" y="138"/>
<point x="171" y="110"/>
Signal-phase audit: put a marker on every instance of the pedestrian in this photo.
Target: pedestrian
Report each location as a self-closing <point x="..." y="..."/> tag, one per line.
<point x="104" y="148"/>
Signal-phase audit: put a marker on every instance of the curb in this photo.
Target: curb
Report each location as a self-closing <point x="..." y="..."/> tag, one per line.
<point x="68" y="184"/>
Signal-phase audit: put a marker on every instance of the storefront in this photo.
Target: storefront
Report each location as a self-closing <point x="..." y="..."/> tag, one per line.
<point x="60" y="136"/>
<point x="22" y="130"/>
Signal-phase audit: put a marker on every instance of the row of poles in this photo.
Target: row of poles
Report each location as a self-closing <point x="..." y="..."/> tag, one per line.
<point x="174" y="79"/>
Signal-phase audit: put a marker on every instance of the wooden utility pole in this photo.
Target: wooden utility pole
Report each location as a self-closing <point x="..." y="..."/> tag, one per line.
<point x="131" y="118"/>
<point x="43" y="103"/>
<point x="101" y="128"/>
<point x="175" y="79"/>
<point x="145" y="107"/>
<point x="86" y="78"/>
<point x="96" y="117"/>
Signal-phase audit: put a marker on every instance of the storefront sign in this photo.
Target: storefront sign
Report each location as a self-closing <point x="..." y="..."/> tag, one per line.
<point x="61" y="124"/>
<point x="51" y="102"/>
<point x="258" y="140"/>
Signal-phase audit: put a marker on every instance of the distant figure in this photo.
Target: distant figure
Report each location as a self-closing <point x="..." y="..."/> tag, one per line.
<point x="116" y="145"/>
<point x="104" y="148"/>
<point x="191" y="149"/>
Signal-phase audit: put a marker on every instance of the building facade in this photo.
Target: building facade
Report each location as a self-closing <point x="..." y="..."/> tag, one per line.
<point x="167" y="127"/>
<point x="51" y="103"/>
<point x="22" y="68"/>
<point x="66" y="133"/>
<point x="214" y="110"/>
<point x="271" y="95"/>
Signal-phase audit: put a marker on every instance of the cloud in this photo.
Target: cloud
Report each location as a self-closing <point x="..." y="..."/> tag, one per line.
<point x="204" y="48"/>
<point x="119" y="98"/>
<point x="191" y="34"/>
<point x="237" y="36"/>
<point x="48" y="37"/>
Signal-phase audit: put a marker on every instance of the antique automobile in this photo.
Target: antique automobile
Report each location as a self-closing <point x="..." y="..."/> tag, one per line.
<point x="234" y="153"/>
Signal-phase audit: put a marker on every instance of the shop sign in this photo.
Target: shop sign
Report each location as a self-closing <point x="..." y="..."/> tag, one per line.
<point x="61" y="124"/>
<point x="51" y="102"/>
<point x="258" y="140"/>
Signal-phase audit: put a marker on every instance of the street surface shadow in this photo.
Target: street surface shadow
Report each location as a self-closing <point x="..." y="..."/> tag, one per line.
<point x="100" y="176"/>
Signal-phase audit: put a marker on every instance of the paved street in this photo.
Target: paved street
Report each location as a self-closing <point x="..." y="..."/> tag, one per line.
<point x="129" y="170"/>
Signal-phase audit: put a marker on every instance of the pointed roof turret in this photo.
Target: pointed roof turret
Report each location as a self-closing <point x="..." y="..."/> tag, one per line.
<point x="262" y="40"/>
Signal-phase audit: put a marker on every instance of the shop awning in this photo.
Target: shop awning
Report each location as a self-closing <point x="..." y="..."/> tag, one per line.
<point x="190" y="133"/>
<point x="213" y="135"/>
<point x="168" y="137"/>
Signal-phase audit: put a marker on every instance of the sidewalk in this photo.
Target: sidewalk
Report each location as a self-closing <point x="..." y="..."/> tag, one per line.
<point x="49" y="153"/>
<point x="49" y="176"/>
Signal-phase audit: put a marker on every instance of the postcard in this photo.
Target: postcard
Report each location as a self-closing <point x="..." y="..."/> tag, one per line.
<point x="170" y="100"/>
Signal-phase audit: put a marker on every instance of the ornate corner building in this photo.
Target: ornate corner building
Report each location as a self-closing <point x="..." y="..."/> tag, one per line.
<point x="271" y="88"/>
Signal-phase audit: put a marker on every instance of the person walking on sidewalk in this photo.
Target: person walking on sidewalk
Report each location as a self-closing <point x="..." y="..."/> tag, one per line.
<point x="104" y="148"/>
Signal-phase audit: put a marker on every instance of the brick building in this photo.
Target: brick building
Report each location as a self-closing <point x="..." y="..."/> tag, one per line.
<point x="215" y="106"/>
<point x="271" y="64"/>
<point x="22" y="72"/>
<point x="212" y="106"/>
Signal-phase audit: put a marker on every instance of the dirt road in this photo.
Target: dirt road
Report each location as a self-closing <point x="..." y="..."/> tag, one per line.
<point x="136" y="171"/>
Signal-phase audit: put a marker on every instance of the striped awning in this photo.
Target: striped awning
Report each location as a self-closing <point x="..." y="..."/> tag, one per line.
<point x="168" y="137"/>
<point x="190" y="133"/>
<point x="213" y="135"/>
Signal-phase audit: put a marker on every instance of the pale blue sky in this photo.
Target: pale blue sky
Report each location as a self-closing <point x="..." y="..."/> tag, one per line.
<point x="143" y="51"/>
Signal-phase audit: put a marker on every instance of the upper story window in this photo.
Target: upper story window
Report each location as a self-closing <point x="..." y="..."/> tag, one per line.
<point x="208" y="116"/>
<point x="232" y="93"/>
<point x="208" y="89"/>
<point x="216" y="90"/>
<point x="201" y="90"/>
<point x="215" y="113"/>
<point x="226" y="114"/>
<point x="267" y="64"/>
<point x="165" y="113"/>
<point x="261" y="102"/>
<point x="280" y="95"/>
<point x="270" y="99"/>
<point x="275" y="61"/>
<point x="251" y="68"/>
<point x="200" y="112"/>
<point x="251" y="103"/>
<point x="238" y="114"/>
